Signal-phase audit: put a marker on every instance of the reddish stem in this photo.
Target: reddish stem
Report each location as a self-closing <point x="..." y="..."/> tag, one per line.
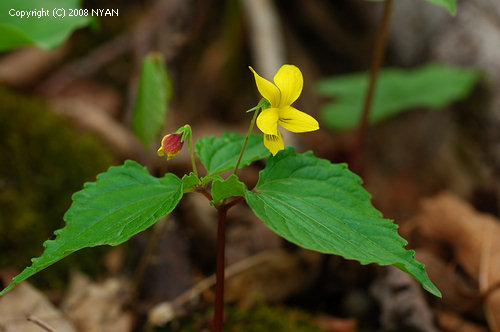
<point x="204" y="192"/>
<point x="219" y="286"/>
<point x="378" y="55"/>
<point x="234" y="202"/>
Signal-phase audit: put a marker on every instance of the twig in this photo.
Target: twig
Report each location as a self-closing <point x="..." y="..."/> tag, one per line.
<point x="40" y="323"/>
<point x="166" y="311"/>
<point x="265" y="35"/>
<point x="380" y="46"/>
<point x="146" y="258"/>
<point x="137" y="38"/>
<point x="87" y="66"/>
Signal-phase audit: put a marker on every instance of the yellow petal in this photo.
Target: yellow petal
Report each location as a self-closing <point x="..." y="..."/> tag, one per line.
<point x="267" y="121"/>
<point x="296" y="121"/>
<point x="267" y="89"/>
<point x="289" y="80"/>
<point x="274" y="143"/>
<point x="172" y="156"/>
<point x="160" y="152"/>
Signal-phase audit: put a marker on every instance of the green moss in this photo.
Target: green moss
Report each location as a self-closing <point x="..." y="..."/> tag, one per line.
<point x="261" y="317"/>
<point x="42" y="163"/>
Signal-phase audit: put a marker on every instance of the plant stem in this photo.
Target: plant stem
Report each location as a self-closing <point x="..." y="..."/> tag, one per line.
<point x="221" y="248"/>
<point x="191" y="151"/>
<point x="252" y="123"/>
<point x="221" y="242"/>
<point x="219" y="283"/>
<point x="204" y="192"/>
<point x="234" y="202"/>
<point x="378" y="55"/>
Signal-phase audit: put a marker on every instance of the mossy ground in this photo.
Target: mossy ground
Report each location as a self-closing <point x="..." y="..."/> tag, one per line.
<point x="261" y="317"/>
<point x="43" y="161"/>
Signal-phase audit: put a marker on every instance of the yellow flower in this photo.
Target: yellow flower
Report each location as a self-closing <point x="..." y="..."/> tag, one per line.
<point x="286" y="89"/>
<point x="171" y="146"/>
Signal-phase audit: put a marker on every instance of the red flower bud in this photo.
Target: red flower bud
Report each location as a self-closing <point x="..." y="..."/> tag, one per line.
<point x="171" y="145"/>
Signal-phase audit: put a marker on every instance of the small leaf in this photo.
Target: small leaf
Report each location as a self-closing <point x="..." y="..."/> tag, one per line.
<point x="220" y="154"/>
<point x="229" y="187"/>
<point x="397" y="90"/>
<point x="263" y="103"/>
<point x="42" y="30"/>
<point x="323" y="207"/>
<point x="189" y="182"/>
<point x="206" y="179"/>
<point x="449" y="5"/>
<point x="123" y="201"/>
<point x="154" y="92"/>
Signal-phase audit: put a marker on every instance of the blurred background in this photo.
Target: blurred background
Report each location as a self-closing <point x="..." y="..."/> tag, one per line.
<point x="430" y="159"/>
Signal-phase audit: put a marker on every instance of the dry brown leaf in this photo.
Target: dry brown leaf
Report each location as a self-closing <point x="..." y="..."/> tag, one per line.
<point x="457" y="292"/>
<point x="25" y="302"/>
<point x="452" y="322"/>
<point x="278" y="277"/>
<point x="269" y="275"/>
<point x="97" y="307"/>
<point x="471" y="236"/>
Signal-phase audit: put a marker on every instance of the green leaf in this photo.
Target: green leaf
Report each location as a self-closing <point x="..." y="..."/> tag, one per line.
<point x="206" y="179"/>
<point x="189" y="182"/>
<point x="449" y="5"/>
<point x="44" y="31"/>
<point x="323" y="207"/>
<point x="263" y="103"/>
<point x="123" y="201"/>
<point x="229" y="187"/>
<point x="154" y="92"/>
<point x="220" y="154"/>
<point x="397" y="90"/>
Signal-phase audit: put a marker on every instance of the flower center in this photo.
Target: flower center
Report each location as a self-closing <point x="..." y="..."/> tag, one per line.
<point x="273" y="138"/>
